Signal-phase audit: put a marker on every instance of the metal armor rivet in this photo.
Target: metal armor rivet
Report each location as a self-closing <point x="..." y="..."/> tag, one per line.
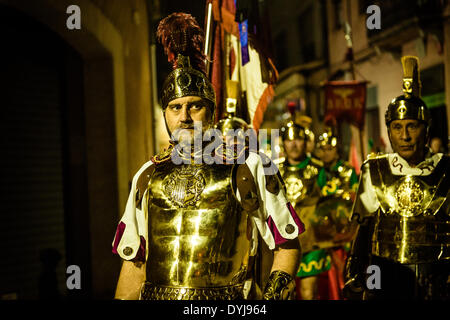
<point x="127" y="251"/>
<point x="289" y="228"/>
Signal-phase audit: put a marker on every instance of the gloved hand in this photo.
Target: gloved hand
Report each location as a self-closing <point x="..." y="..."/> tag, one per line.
<point x="354" y="278"/>
<point x="279" y="287"/>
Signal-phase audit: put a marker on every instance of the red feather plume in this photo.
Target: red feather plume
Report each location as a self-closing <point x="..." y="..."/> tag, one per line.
<point x="180" y="33"/>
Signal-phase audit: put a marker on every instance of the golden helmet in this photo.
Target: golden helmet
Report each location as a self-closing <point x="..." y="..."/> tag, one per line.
<point x="292" y="131"/>
<point x="409" y="105"/>
<point x="187" y="81"/>
<point x="183" y="41"/>
<point x="327" y="138"/>
<point x="231" y="123"/>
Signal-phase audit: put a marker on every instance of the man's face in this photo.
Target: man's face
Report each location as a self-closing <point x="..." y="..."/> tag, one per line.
<point x="181" y="113"/>
<point x="328" y="154"/>
<point x="408" y="139"/>
<point x="295" y="149"/>
<point x="436" y="145"/>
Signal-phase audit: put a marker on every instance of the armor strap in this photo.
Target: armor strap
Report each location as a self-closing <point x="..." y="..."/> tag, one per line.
<point x="142" y="184"/>
<point x="246" y="185"/>
<point x="279" y="286"/>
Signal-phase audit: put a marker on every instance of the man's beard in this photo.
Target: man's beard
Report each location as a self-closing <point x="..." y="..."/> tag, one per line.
<point x="190" y="133"/>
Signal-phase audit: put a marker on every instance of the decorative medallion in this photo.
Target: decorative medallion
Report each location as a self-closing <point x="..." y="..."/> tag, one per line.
<point x="184" y="185"/>
<point x="289" y="228"/>
<point x="409" y="195"/>
<point x="127" y="251"/>
<point x="184" y="80"/>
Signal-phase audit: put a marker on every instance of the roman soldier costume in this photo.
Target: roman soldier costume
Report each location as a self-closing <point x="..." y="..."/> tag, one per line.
<point x="404" y="215"/>
<point x="337" y="190"/>
<point x="196" y="225"/>
<point x="303" y="192"/>
<point x="334" y="230"/>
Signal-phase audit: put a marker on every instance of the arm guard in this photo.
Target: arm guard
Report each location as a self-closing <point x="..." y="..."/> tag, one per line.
<point x="357" y="262"/>
<point x="279" y="287"/>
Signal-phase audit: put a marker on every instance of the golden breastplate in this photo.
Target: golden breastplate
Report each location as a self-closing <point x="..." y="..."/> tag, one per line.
<point x="299" y="182"/>
<point x="412" y="225"/>
<point x="197" y="229"/>
<point x="299" y="185"/>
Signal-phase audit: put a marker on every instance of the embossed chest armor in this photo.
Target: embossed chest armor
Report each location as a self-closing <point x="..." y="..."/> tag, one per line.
<point x="413" y="223"/>
<point x="197" y="233"/>
<point x="299" y="183"/>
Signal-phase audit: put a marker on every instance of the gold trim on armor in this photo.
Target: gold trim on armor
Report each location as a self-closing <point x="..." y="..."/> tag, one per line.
<point x="279" y="286"/>
<point x="153" y="292"/>
<point x="186" y="81"/>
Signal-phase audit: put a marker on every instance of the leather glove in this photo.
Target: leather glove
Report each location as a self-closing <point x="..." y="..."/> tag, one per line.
<point x="279" y="287"/>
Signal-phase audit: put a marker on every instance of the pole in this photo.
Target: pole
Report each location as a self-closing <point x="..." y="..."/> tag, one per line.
<point x="348" y="37"/>
<point x="208" y="36"/>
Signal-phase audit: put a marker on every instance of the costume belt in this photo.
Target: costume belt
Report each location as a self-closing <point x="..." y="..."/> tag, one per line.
<point x="150" y="291"/>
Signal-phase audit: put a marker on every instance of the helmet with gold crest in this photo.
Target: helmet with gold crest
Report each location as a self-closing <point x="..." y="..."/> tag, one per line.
<point x="409" y="105"/>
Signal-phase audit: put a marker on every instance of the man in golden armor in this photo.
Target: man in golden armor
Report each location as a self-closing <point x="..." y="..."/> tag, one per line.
<point x="299" y="173"/>
<point x="190" y="228"/>
<point x="337" y="181"/>
<point x="402" y="247"/>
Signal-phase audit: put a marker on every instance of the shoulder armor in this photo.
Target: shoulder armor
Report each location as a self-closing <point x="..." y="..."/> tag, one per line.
<point x="346" y="169"/>
<point x="375" y="156"/>
<point x="246" y="185"/>
<point x="316" y="162"/>
<point x="163" y="156"/>
<point x="142" y="184"/>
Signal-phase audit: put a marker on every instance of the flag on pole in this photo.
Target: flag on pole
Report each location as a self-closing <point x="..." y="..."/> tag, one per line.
<point x="237" y="32"/>
<point x="346" y="100"/>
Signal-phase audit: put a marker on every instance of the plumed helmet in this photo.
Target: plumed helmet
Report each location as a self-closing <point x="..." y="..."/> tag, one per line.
<point x="183" y="41"/>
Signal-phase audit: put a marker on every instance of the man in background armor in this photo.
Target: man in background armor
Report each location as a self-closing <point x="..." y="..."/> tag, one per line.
<point x="402" y="206"/>
<point x="299" y="173"/>
<point x="337" y="181"/>
<point x="189" y="230"/>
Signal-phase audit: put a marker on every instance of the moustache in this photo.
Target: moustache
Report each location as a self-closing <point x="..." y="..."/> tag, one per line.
<point x="186" y="126"/>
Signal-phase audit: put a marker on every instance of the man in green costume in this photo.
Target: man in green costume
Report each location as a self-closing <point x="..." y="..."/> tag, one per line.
<point x="338" y="182"/>
<point x="300" y="173"/>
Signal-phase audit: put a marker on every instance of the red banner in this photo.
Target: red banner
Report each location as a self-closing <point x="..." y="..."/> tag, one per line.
<point x="346" y="100"/>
